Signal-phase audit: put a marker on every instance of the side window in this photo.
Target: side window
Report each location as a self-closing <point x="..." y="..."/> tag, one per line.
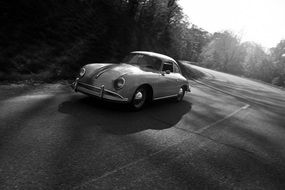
<point x="167" y="66"/>
<point x="176" y="69"/>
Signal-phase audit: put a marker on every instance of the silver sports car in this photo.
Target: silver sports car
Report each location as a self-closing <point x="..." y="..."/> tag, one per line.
<point x="141" y="77"/>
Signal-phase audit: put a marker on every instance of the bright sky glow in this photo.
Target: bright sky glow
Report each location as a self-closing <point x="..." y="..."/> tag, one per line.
<point x="261" y="21"/>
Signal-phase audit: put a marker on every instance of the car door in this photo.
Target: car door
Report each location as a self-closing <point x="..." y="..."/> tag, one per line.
<point x="170" y="77"/>
<point x="178" y="77"/>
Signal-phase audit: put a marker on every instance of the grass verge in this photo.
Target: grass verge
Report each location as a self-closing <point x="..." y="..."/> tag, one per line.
<point x="189" y="72"/>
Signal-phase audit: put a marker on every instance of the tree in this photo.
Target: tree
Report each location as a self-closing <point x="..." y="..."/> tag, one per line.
<point x="224" y="53"/>
<point x="254" y="62"/>
<point x="278" y="59"/>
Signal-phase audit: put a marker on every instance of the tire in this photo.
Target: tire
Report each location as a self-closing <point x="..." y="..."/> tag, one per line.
<point x="139" y="98"/>
<point x="180" y="95"/>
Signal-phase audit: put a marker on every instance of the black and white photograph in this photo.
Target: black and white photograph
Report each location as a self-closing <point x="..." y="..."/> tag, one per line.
<point x="142" y="94"/>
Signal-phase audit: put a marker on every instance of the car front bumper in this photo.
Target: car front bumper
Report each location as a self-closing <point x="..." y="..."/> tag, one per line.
<point x="99" y="92"/>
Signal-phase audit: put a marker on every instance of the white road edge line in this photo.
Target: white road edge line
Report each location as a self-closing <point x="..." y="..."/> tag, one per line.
<point x="125" y="166"/>
<point x="248" y="99"/>
<point x="155" y="153"/>
<point x="220" y="90"/>
<point x="223" y="119"/>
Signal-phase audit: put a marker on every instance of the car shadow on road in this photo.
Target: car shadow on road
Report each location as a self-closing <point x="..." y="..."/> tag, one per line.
<point x="119" y="119"/>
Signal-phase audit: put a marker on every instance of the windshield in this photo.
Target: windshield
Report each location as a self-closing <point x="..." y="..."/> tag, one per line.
<point x="145" y="61"/>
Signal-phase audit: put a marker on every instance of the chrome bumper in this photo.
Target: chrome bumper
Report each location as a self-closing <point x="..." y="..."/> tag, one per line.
<point x="99" y="92"/>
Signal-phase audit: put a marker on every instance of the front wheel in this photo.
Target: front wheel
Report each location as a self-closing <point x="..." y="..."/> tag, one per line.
<point x="180" y="95"/>
<point x="139" y="98"/>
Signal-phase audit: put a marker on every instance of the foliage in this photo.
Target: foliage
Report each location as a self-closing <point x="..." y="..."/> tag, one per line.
<point x="257" y="64"/>
<point x="58" y="37"/>
<point x="278" y="61"/>
<point x="226" y="53"/>
<point x="52" y="39"/>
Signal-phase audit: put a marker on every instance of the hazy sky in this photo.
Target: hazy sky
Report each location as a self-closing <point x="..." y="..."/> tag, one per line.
<point x="262" y="21"/>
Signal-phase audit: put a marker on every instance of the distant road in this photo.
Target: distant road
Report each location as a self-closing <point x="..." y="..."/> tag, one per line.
<point x="228" y="133"/>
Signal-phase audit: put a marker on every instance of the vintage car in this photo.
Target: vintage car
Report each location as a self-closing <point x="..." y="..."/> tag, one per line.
<point x="141" y="77"/>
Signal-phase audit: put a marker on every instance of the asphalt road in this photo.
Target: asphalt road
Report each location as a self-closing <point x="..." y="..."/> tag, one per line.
<point x="228" y="133"/>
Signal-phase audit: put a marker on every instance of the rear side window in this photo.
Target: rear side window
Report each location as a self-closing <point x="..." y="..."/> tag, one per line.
<point x="168" y="66"/>
<point x="176" y="69"/>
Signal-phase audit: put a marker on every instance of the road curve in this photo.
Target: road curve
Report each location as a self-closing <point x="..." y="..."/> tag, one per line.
<point x="228" y="133"/>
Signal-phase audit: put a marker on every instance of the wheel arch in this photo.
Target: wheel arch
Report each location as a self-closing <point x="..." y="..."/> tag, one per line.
<point x="149" y="89"/>
<point x="185" y="87"/>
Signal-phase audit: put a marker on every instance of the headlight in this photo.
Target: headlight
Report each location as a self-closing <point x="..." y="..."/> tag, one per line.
<point x="82" y="72"/>
<point x="119" y="83"/>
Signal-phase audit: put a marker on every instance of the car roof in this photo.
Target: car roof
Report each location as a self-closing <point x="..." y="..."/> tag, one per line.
<point x="157" y="55"/>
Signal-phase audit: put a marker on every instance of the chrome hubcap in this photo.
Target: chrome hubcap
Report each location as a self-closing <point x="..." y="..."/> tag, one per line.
<point x="180" y="94"/>
<point x="138" y="96"/>
<point x="180" y="91"/>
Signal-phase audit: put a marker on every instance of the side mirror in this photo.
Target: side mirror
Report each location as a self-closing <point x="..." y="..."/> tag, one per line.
<point x="167" y="71"/>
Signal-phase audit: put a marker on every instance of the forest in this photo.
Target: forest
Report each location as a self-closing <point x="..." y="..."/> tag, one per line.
<point x="50" y="40"/>
<point x="225" y="52"/>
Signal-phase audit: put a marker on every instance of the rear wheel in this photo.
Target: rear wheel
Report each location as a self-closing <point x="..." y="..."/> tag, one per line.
<point x="139" y="98"/>
<point x="180" y="95"/>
